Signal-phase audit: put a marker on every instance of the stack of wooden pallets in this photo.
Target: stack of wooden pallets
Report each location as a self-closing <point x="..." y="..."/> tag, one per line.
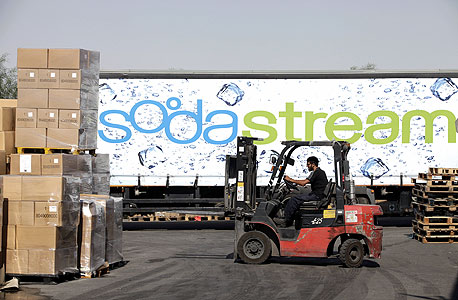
<point x="435" y="200"/>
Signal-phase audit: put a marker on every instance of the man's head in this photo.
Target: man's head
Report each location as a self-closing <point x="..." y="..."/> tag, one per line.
<point x="312" y="163"/>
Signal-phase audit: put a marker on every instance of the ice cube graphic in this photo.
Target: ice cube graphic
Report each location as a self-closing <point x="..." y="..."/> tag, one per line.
<point x="374" y="167"/>
<point x="106" y="93"/>
<point x="444" y="88"/>
<point x="151" y="157"/>
<point x="231" y="94"/>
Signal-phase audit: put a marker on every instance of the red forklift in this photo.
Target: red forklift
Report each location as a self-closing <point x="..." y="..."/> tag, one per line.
<point x="338" y="224"/>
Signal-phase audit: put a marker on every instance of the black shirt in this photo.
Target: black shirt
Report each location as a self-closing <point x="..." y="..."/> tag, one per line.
<point x="318" y="180"/>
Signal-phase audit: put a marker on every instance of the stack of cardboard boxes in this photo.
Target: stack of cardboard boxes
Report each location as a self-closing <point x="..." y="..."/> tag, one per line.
<point x="7" y="119"/>
<point x="57" y="98"/>
<point x="49" y="230"/>
<point x="43" y="215"/>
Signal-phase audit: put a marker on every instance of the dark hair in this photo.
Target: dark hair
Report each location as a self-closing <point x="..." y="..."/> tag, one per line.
<point x="313" y="160"/>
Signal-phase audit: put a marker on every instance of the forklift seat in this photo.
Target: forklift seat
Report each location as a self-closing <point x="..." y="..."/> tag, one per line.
<point x="328" y="191"/>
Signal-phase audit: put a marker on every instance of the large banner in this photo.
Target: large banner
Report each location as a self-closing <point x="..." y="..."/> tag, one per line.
<point x="180" y="128"/>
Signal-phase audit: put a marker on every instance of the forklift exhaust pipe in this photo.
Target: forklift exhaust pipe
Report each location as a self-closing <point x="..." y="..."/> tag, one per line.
<point x="352" y="191"/>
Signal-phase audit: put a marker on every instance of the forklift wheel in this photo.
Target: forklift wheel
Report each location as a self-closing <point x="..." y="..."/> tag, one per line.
<point x="254" y="247"/>
<point x="351" y="253"/>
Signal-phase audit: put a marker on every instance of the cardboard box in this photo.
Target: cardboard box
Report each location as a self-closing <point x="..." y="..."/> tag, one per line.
<point x="72" y="138"/>
<point x="27" y="78"/>
<point x="70" y="79"/>
<point x="56" y="213"/>
<point x="101" y="163"/>
<point x="11" y="237"/>
<point x="76" y="119"/>
<point x="7" y="118"/>
<point x="32" y="58"/>
<point x="26" y="117"/>
<point x="17" y="261"/>
<point x="47" y="118"/>
<point x="59" y="164"/>
<point x="7" y="142"/>
<point x="93" y="234"/>
<point x="48" y="79"/>
<point x="69" y="119"/>
<point x="52" y="261"/>
<point x="2" y="163"/>
<point x="63" y="138"/>
<point x="74" y="99"/>
<point x="12" y="187"/>
<point x="8" y="102"/>
<point x="50" y="188"/>
<point x="74" y="59"/>
<point x="21" y="213"/>
<point x="30" y="137"/>
<point x="25" y="164"/>
<point x="46" y="237"/>
<point x="32" y="98"/>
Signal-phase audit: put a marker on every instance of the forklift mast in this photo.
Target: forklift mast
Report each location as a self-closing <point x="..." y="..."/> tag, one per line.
<point x="241" y="172"/>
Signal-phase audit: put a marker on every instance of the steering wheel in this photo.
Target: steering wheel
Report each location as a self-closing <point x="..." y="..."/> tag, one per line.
<point x="290" y="185"/>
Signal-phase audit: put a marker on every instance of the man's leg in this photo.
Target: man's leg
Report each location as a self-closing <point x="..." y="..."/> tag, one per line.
<point x="292" y="206"/>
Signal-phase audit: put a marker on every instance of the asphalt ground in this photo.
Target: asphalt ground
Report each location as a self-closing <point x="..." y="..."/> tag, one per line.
<point x="194" y="262"/>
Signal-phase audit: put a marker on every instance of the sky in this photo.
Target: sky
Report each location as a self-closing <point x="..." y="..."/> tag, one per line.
<point x="240" y="35"/>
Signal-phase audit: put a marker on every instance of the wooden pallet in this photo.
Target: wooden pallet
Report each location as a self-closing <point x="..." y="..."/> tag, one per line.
<point x="432" y="227"/>
<point x="452" y="189"/>
<point x="105" y="269"/>
<point x="443" y="233"/>
<point x="141" y="218"/>
<point x="451" y="171"/>
<point x="168" y="216"/>
<point x="436" y="239"/>
<point x="432" y="208"/>
<point x="46" y="278"/>
<point x="437" y="220"/>
<point x="426" y="176"/>
<point x="422" y="193"/>
<point x="45" y="150"/>
<point x="435" y="182"/>
<point x="434" y="201"/>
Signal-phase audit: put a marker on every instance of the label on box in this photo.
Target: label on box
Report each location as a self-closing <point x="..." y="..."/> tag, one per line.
<point x="53" y="208"/>
<point x="74" y="115"/>
<point x="53" y="74"/>
<point x="30" y="114"/>
<point x="25" y="163"/>
<point x="73" y="75"/>
<point x="56" y="160"/>
<point x="51" y="115"/>
<point x="32" y="74"/>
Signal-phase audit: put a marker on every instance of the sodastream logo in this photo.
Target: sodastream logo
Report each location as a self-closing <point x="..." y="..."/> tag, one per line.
<point x="286" y="119"/>
<point x="172" y="104"/>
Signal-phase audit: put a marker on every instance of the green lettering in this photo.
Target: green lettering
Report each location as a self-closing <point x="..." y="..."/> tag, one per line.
<point x="331" y="126"/>
<point x="289" y="114"/>
<point x="393" y="125"/>
<point x="429" y="119"/>
<point x="310" y="119"/>
<point x="248" y="120"/>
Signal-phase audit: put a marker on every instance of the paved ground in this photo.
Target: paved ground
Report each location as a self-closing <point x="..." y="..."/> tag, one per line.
<point x="196" y="264"/>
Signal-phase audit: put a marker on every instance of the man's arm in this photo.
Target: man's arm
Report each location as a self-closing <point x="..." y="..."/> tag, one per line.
<point x="299" y="182"/>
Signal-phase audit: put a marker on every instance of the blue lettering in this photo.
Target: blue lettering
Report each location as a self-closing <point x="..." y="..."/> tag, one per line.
<point x="233" y="125"/>
<point x="172" y="103"/>
<point x="144" y="102"/>
<point x="104" y="122"/>
<point x="197" y="117"/>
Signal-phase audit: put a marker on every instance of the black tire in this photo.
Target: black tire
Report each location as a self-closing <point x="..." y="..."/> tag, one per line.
<point x="351" y="253"/>
<point x="254" y="247"/>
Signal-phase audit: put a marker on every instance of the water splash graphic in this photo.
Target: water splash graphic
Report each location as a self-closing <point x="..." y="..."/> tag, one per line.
<point x="231" y="94"/>
<point x="444" y="88"/>
<point x="374" y="167"/>
<point x="152" y="157"/>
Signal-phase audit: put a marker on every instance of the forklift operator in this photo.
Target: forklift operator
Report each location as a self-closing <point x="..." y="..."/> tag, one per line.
<point x="318" y="181"/>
